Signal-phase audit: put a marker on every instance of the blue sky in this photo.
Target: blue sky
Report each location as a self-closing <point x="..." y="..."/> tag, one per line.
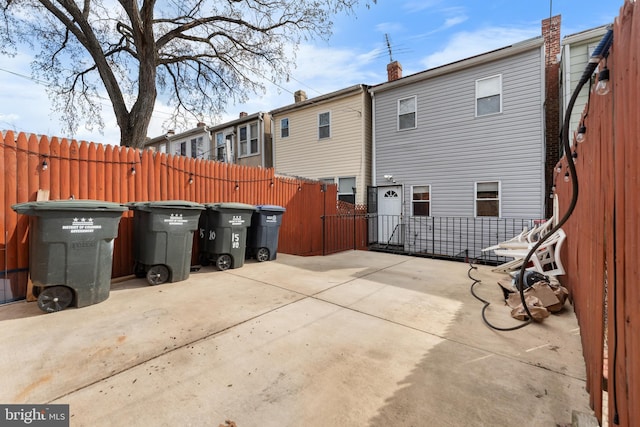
<point x="422" y="34"/>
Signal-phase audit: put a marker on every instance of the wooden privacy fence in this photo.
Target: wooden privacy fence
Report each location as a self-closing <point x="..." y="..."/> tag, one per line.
<point x="603" y="233"/>
<point x="81" y="170"/>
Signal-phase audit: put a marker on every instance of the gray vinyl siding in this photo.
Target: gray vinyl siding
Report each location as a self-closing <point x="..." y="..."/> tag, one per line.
<point x="451" y="148"/>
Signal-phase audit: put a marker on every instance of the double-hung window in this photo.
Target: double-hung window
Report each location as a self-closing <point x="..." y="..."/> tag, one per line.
<point x="220" y="148"/>
<point x="407" y="113"/>
<point x="180" y="148"/>
<point x="421" y="200"/>
<point x="487" y="198"/>
<point x="489" y="95"/>
<point x="284" y="128"/>
<point x="253" y="138"/>
<point x="197" y="148"/>
<point x="324" y="125"/>
<point x="248" y="139"/>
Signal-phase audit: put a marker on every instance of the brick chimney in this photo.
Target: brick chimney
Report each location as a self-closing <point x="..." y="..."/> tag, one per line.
<point x="300" y="96"/>
<point x="394" y="71"/>
<point x="243" y="114"/>
<point x="551" y="36"/>
<point x="201" y="124"/>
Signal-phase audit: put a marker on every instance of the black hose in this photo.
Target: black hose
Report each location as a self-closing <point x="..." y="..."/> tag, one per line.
<point x="601" y="51"/>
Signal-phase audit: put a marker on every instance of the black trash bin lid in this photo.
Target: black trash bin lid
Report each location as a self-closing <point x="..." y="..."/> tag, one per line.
<point x="272" y="208"/>
<point x="230" y="206"/>
<point x="68" y="205"/>
<point x="166" y="204"/>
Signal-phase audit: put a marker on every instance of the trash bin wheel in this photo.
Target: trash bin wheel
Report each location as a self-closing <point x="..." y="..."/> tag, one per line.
<point x="204" y="259"/>
<point x="223" y="262"/>
<point x="139" y="270"/>
<point x="157" y="274"/>
<point x="262" y="255"/>
<point x="54" y="298"/>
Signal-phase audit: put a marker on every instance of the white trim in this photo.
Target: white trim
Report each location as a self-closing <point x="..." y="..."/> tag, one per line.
<point x="373" y="140"/>
<point x="475" y="197"/>
<point x="288" y="127"/>
<point x="500" y="93"/>
<point x="415" y="113"/>
<point x="318" y="125"/>
<point x="248" y="141"/>
<point x="421" y="201"/>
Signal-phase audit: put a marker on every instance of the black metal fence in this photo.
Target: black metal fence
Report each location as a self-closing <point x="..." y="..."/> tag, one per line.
<point x="459" y="238"/>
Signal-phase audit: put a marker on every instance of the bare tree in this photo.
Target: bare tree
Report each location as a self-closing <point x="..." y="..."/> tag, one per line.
<point x="200" y="54"/>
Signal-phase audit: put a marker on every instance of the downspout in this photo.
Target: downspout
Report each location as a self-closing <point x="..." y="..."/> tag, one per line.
<point x="273" y="143"/>
<point x="543" y="118"/>
<point x="262" y="139"/>
<point x="373" y="139"/>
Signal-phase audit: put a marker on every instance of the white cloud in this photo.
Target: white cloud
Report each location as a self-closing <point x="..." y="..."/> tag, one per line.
<point x="466" y="44"/>
<point x="419" y="5"/>
<point x="451" y="22"/>
<point x="320" y="70"/>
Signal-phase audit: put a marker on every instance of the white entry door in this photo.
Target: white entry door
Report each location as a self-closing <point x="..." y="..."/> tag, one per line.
<point x="389" y="210"/>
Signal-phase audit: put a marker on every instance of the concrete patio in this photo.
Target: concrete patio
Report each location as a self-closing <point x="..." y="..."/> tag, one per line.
<point x="354" y="339"/>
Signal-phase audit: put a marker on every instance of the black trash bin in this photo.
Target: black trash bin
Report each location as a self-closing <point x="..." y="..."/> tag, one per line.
<point x="163" y="238"/>
<point x="262" y="240"/>
<point x="223" y="234"/>
<point x="71" y="250"/>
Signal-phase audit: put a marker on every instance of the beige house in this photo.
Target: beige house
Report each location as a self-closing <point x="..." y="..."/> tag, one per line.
<point x="327" y="138"/>
<point x="576" y="51"/>
<point x="244" y="141"/>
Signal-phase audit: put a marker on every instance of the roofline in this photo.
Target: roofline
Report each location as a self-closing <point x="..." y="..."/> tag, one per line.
<point x="165" y="137"/>
<point x="237" y="121"/>
<point x="322" y="98"/>
<point x="584" y="35"/>
<point x="462" y="64"/>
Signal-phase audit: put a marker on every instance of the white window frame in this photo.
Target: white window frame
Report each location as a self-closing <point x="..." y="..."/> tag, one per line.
<point x="489" y="94"/>
<point x="220" y="146"/>
<point x="177" y="148"/>
<point x="282" y="128"/>
<point x="328" y="125"/>
<point x="476" y="199"/>
<point x="247" y="142"/>
<point x="420" y="201"/>
<point x="415" y="113"/>
<point x="352" y="193"/>
<point x="198" y="143"/>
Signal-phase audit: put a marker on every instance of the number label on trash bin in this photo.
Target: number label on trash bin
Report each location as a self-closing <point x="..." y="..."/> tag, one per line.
<point x="235" y="240"/>
<point x="236" y="220"/>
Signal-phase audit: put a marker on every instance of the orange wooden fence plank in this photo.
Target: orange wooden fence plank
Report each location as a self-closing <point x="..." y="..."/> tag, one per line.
<point x="65" y="177"/>
<point x="22" y="177"/>
<point x="92" y="171"/>
<point x="54" y="169"/>
<point x="74" y="169"/>
<point x="34" y="167"/>
<point x="3" y="229"/>
<point x="44" y="173"/>
<point x="86" y="169"/>
<point x="11" y="198"/>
